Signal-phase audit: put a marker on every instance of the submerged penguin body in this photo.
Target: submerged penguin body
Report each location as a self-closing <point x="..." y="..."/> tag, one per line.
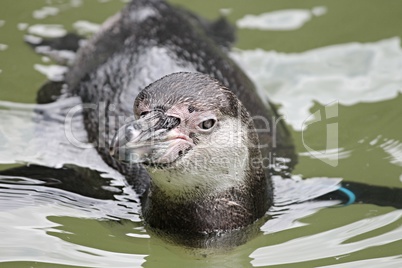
<point x="151" y="41"/>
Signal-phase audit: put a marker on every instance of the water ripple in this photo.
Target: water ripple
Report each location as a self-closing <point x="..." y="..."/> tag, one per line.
<point x="330" y="243"/>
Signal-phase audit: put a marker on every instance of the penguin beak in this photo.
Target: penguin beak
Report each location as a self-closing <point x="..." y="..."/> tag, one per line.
<point x="152" y="139"/>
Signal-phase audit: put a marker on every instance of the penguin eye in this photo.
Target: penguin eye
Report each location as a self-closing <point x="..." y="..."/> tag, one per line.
<point x="144" y="113"/>
<point x="207" y="124"/>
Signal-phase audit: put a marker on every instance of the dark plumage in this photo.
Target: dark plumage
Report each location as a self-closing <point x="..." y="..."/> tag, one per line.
<point x="146" y="42"/>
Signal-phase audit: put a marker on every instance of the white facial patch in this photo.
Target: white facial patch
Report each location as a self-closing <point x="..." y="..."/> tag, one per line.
<point x="219" y="161"/>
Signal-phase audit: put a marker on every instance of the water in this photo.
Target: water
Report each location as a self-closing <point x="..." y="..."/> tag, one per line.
<point x="327" y="65"/>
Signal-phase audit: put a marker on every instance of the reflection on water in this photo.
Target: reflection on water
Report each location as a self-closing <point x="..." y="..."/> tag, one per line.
<point x="394" y="149"/>
<point x="347" y="73"/>
<point x="40" y="238"/>
<point x="64" y="219"/>
<point x="332" y="243"/>
<point x="281" y="20"/>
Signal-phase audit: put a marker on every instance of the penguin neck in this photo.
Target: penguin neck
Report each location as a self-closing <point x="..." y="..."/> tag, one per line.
<point x="214" y="211"/>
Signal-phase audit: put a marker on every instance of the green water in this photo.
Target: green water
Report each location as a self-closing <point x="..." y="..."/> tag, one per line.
<point x="358" y="126"/>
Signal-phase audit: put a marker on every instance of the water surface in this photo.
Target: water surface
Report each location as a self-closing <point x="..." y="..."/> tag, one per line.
<point x="335" y="62"/>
